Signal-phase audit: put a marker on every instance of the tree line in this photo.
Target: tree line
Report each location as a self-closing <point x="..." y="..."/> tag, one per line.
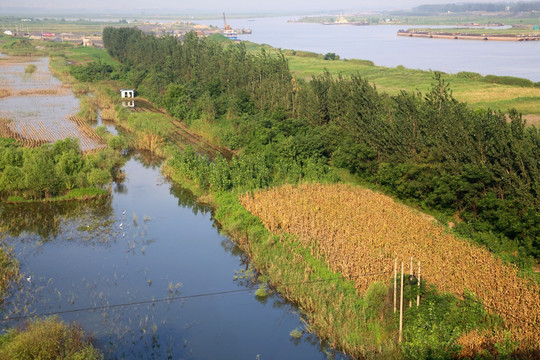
<point x="475" y="165"/>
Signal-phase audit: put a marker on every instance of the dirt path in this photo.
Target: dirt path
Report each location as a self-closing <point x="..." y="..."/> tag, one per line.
<point x="182" y="136"/>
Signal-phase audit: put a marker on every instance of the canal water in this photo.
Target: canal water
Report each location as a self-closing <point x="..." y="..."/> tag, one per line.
<point x="148" y="273"/>
<point x="380" y="44"/>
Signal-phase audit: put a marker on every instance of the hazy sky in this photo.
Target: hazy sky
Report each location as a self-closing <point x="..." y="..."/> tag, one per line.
<point x="223" y="5"/>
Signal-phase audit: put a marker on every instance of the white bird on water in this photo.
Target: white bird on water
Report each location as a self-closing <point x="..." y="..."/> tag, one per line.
<point x="29" y="279"/>
<point x="124" y="212"/>
<point x="121" y="225"/>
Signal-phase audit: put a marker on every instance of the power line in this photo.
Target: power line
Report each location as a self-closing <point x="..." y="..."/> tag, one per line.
<point x="173" y="298"/>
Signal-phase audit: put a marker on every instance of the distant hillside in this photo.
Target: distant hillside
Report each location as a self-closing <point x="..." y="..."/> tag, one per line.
<point x="486" y="7"/>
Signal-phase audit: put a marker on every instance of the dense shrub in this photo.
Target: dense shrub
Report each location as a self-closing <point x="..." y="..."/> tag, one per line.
<point x="47" y="339"/>
<point x="434" y="327"/>
<point x="52" y="169"/>
<point x="92" y="71"/>
<point x="508" y="80"/>
<point x="469" y="75"/>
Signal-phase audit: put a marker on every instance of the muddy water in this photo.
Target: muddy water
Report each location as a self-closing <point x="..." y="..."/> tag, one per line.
<point x="148" y="273"/>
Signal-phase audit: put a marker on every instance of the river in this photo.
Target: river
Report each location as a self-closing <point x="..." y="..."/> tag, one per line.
<point x="380" y="44"/>
<point x="148" y="273"/>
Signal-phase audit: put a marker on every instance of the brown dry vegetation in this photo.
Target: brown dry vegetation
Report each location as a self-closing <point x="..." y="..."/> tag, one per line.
<point x="34" y="92"/>
<point x="532" y="120"/>
<point x="358" y="231"/>
<point x="5" y="93"/>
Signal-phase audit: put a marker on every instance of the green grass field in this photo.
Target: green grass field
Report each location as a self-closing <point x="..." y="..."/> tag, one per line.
<point x="83" y="54"/>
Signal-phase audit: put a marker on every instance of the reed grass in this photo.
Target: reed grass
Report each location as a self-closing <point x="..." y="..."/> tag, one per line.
<point x="9" y="268"/>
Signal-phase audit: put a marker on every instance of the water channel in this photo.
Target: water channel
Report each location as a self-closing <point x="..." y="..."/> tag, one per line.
<point x="101" y="263"/>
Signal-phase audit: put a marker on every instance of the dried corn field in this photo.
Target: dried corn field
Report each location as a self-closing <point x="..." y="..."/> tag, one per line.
<point x="37" y="108"/>
<point x="359" y="231"/>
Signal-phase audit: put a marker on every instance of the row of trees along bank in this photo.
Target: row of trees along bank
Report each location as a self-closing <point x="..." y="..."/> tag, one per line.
<point x="473" y="165"/>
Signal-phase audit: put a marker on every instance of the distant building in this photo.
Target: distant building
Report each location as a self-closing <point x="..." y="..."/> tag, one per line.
<point x="88" y="42"/>
<point x="127" y="93"/>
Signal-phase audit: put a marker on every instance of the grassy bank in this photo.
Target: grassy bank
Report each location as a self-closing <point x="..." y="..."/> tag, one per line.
<point x="478" y="91"/>
<point x="498" y="93"/>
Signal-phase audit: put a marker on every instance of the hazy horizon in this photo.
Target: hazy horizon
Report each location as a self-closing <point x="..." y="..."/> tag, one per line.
<point x="210" y="6"/>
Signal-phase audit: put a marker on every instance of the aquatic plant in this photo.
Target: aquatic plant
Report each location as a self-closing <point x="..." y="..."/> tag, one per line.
<point x="29" y="69"/>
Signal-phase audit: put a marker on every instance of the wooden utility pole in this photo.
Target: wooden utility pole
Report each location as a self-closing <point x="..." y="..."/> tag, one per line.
<point x="395" y="286"/>
<point x="401" y="307"/>
<point x="410" y="301"/>
<point x="418" y="295"/>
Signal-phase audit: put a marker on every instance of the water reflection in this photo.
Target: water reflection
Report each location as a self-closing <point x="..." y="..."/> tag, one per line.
<point x="47" y="219"/>
<point x="187" y="200"/>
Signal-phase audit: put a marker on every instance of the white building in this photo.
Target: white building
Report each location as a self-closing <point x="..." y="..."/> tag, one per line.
<point x="127" y="93"/>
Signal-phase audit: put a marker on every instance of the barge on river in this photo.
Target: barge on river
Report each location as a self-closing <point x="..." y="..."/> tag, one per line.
<point x="468" y="36"/>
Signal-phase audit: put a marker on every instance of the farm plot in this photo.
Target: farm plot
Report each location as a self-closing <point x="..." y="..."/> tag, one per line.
<point x="357" y="232"/>
<point x="36" y="108"/>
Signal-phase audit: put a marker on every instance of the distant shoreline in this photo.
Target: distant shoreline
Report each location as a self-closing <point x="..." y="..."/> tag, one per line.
<point x="468" y="36"/>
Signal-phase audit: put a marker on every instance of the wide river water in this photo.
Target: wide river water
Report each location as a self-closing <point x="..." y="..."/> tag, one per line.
<point x="380" y="44"/>
<point x="102" y="263"/>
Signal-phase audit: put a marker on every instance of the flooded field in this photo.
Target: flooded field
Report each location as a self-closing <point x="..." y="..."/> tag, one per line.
<point x="37" y="108"/>
<point x="147" y="272"/>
